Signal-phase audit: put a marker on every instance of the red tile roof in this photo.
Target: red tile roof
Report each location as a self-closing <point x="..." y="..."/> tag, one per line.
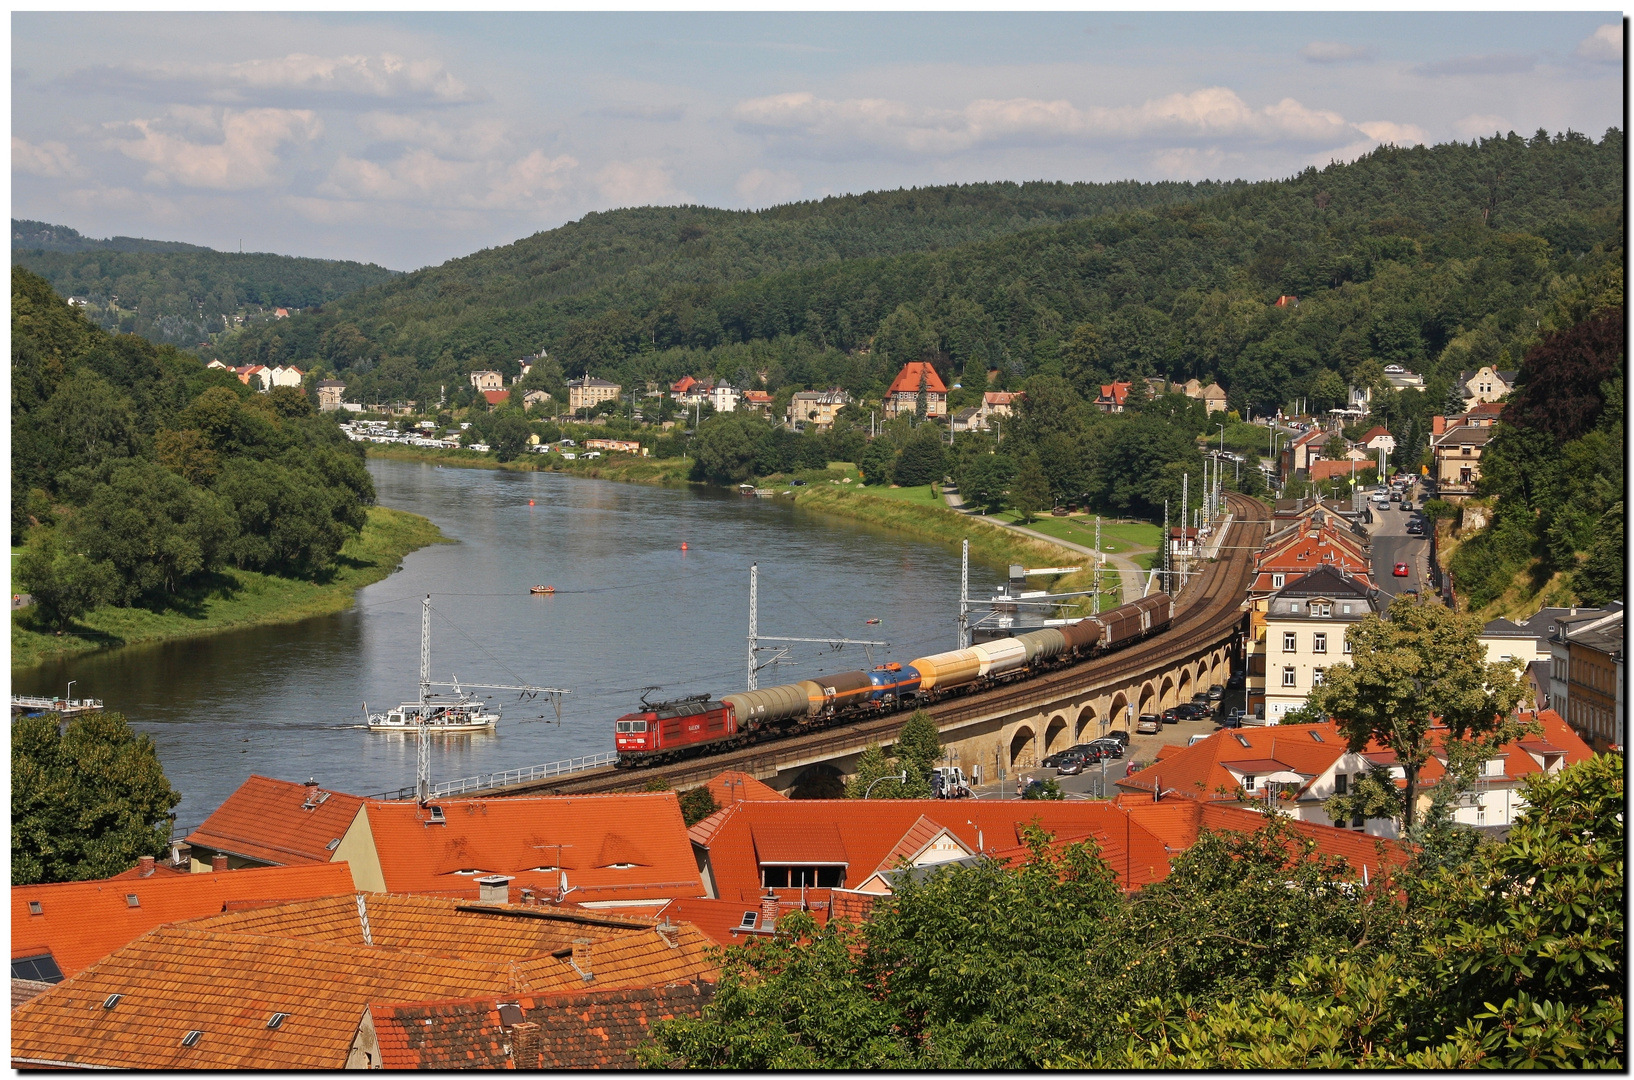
<point x="278" y="822"/>
<point x="1181" y="821"/>
<point x="80" y="922"/>
<point x="1113" y="393"/>
<point x="497" y="397"/>
<point x="601" y="1029"/>
<point x="611" y="847"/>
<point x="718" y="918"/>
<point x="453" y="1034"/>
<point x="1199" y="771"/>
<point x="907" y="380"/>
<point x="1375" y="432"/>
<point x="733" y="786"/>
<point x="1328" y="470"/>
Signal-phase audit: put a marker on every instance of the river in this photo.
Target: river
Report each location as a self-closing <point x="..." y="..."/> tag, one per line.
<point x="632" y="610"/>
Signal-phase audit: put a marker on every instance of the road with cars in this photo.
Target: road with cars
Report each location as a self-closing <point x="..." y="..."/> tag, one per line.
<point x="1392" y="545"/>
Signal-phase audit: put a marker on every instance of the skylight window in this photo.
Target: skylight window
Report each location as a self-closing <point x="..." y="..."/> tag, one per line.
<point x="750" y="919"/>
<point x="276" y="1020"/>
<point x="34" y="908"/>
<point x="132" y="901"/>
<point x="39" y="968"/>
<point x="332" y="845"/>
<point x="111" y="1000"/>
<point x="1243" y="740"/>
<point x="1317" y="735"/>
<point x="192" y="1038"/>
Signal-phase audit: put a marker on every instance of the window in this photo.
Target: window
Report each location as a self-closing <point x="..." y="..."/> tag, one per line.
<point x="1321" y="611"/>
<point x="1345" y="608"/>
<point x="111" y="1000"/>
<point x="35" y="908"/>
<point x="1316" y="676"/>
<point x="793" y="877"/>
<point x="1248" y="783"/>
<point x="192" y="1037"/>
<point x="1356" y="822"/>
<point x="39" y="968"/>
<point x="1294" y="607"/>
<point x="1287" y="676"/>
<point x="1276" y="581"/>
<point x="750" y="918"/>
<point x="1290" y="641"/>
<point x="1243" y="740"/>
<point x="132" y="901"/>
<point x="630" y="727"/>
<point x="276" y="1020"/>
<point x="1341" y="785"/>
<point x="1347" y="645"/>
<point x="1319" y="643"/>
<point x="1316" y="736"/>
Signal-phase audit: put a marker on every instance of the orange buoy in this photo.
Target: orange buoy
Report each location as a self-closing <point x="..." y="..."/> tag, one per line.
<point x="530" y="502"/>
<point x="683" y="545"/>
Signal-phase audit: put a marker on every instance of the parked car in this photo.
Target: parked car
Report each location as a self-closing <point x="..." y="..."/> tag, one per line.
<point x="1119" y="737"/>
<point x="797" y="483"/>
<point x="1054" y="760"/>
<point x="1401" y="570"/>
<point x="1149" y="724"/>
<point x="1190" y="711"/>
<point x="1199" y="737"/>
<point x="1415" y="528"/>
<point x="1216" y="693"/>
<point x="1109" y="748"/>
<point x="1171" y="716"/>
<point x="1071" y="764"/>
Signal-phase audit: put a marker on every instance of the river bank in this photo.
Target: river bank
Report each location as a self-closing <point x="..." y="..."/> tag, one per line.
<point x="243" y="598"/>
<point x="625" y="468"/>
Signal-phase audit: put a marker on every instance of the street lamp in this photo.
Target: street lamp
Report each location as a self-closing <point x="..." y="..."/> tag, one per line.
<point x="901" y="778"/>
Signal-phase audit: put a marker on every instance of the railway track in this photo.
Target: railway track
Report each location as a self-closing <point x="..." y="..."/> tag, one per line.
<point x="1208" y="610"/>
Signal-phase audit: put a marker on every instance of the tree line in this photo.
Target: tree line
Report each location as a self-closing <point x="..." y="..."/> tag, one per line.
<point x="138" y="474"/>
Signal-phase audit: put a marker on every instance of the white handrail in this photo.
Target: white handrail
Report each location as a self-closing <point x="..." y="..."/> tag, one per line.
<point x="485" y="781"/>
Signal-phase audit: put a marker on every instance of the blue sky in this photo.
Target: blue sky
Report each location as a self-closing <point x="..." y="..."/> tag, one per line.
<point x="408" y="139"/>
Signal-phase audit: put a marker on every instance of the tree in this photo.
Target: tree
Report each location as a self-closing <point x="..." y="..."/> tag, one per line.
<point x="876" y="777"/>
<point x="985" y="482"/>
<point x="697" y="804"/>
<point x="1030" y="492"/>
<point x="1081" y="359"/>
<point x="876" y="461"/>
<point x="919" y="746"/>
<point x="63" y="584"/>
<point x="726" y="447"/>
<point x="923" y="458"/>
<point x="510" y="433"/>
<point x="85" y="802"/>
<point x="1335" y="448"/>
<point x="1424" y="666"/>
<point x="156" y="530"/>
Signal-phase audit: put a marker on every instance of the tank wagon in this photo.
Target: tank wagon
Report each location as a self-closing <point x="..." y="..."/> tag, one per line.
<point x="671" y="730"/>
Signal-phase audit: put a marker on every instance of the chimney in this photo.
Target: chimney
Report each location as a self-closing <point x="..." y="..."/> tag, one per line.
<point x="581" y="959"/>
<point x="768" y="910"/>
<point x="525" y="1045"/>
<point x="145" y="866"/>
<point x="494" y="889"/>
<point x="218" y="863"/>
<point x="1438" y="425"/>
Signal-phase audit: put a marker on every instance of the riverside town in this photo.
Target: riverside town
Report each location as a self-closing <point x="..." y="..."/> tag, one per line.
<point x="749" y="602"/>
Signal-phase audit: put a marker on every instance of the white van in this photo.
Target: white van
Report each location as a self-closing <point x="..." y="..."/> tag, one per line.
<point x="1195" y="739"/>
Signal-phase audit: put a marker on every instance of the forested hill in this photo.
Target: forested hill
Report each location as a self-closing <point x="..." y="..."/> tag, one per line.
<point x="179" y="294"/>
<point x="1431" y="257"/>
<point x="518" y="298"/>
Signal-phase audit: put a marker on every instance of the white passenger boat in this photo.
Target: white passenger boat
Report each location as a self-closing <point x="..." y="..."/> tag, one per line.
<point x="460" y="715"/>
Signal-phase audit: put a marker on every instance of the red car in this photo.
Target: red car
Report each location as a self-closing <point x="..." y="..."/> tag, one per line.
<point x="1401" y="570"/>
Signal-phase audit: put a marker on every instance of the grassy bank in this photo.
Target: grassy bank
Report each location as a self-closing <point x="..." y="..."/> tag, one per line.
<point x="627" y="468"/>
<point x="240" y="598"/>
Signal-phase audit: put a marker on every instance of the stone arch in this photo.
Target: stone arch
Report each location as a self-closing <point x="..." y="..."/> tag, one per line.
<point x="1184" y="691"/>
<point x="1086" y="728"/>
<point x="1022" y="753"/>
<point x="1118" y="711"/>
<point x="821" y="781"/>
<point x="1056" y="734"/>
<point x="1166" y="698"/>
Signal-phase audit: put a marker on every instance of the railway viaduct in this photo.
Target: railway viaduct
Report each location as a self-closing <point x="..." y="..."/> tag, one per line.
<point x="1007" y="728"/>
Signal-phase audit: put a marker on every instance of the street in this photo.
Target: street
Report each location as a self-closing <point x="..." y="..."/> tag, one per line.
<point x="1392" y="545"/>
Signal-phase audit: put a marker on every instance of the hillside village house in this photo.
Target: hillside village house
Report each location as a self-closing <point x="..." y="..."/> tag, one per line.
<point x="588" y="392"/>
<point x="534" y="397"/>
<point x="1379" y="438"/>
<point x="725" y="397"/>
<point x="816" y="408"/>
<point x="262" y="377"/>
<point x="1586" y="672"/>
<point x="758" y="401"/>
<point x="1112" y="397"/>
<point x="1305" y="625"/>
<point x="1400" y="378"/>
<point x="330" y="392"/>
<point x="1457" y="447"/>
<point x="487" y="380"/>
<point x="903" y="394"/>
<point x="1485" y="384"/>
<point x="1212" y="396"/>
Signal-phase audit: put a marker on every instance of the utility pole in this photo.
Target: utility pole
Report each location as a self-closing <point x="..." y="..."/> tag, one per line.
<point x="964" y="597"/>
<point x="1185" y="518"/>
<point x="1168" y="546"/>
<point x="755" y="639"/>
<point x="1097" y="601"/>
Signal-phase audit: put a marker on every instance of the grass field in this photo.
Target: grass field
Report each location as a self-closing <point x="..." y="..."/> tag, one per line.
<point x="240" y="598"/>
<point x="1116" y="539"/>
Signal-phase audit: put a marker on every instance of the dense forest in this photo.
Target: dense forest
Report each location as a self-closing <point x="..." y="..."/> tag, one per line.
<point x="1435" y="258"/>
<point x="137" y="473"/>
<point x="178" y="294"/>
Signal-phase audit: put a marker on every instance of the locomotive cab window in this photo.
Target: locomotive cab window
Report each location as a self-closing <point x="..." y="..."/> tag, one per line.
<point x="630" y="727"/>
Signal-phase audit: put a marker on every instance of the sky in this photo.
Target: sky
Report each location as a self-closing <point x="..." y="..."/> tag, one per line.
<point x="409" y="139"/>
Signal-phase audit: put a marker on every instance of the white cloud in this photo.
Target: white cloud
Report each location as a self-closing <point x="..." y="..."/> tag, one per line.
<point x="49" y="159"/>
<point x="1486" y="64"/>
<point x="383" y="77"/>
<point x="1335" y="52"/>
<point x="246" y="156"/>
<point x="422" y="178"/>
<point x="1386" y="131"/>
<point x="1482" y="126"/>
<point x="1604" y="46"/>
<point x="862" y="124"/>
<point x="637" y="183"/>
<point x="474" y="138"/>
<point x="763" y="187"/>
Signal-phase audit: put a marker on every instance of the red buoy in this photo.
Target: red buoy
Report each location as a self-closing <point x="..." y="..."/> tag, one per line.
<point x="683" y="545"/>
<point x="530" y="502"/>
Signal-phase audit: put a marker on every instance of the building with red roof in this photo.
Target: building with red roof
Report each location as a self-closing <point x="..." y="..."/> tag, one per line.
<point x="495" y="398"/>
<point x="1112" y="397"/>
<point x="1325" y="469"/>
<point x="733" y="786"/>
<point x="59" y="930"/>
<point x="595" y="850"/>
<point x="903" y="395"/>
<point x="269" y="822"/>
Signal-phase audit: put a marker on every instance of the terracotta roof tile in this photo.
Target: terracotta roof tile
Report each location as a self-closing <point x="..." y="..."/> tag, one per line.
<point x="27" y="990"/>
<point x="278" y="822"/>
<point x="718" y="918"/>
<point x="646" y="958"/>
<point x="907" y="380"/>
<point x="463" y="1033"/>
<point x="611" y="847"/>
<point x="601" y="1029"/>
<point x="80" y="922"/>
<point x="732" y="786"/>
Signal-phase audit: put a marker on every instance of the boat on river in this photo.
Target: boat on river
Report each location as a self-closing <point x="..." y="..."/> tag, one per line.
<point x="463" y="714"/>
<point x="542" y="590"/>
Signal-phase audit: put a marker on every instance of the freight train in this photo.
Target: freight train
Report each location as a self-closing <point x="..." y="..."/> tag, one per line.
<point x="668" y="731"/>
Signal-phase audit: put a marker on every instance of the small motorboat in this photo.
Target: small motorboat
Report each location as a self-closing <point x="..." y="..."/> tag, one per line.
<point x="542" y="590"/>
<point x="873" y="622"/>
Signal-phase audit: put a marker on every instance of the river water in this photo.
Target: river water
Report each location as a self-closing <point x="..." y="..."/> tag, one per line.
<point x="632" y="610"/>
